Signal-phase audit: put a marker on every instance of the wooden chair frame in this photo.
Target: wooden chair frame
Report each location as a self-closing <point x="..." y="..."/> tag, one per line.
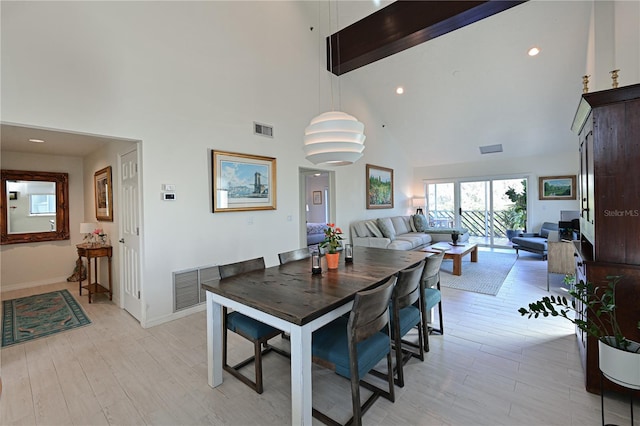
<point x="261" y="347"/>
<point x="369" y="315"/>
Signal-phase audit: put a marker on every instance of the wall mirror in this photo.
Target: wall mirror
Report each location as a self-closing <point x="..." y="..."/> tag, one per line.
<point x="34" y="206"/>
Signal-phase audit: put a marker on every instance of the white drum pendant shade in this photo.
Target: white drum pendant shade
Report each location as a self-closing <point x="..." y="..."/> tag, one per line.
<point x="334" y="138"/>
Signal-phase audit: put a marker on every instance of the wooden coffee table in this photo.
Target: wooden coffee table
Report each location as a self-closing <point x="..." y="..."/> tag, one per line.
<point x="455" y="252"/>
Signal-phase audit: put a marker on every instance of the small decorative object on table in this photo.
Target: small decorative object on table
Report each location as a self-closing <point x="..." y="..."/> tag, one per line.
<point x="454" y="237"/>
<point x="614" y="78"/>
<point x="316" y="268"/>
<point x="348" y="253"/>
<point x="332" y="238"/>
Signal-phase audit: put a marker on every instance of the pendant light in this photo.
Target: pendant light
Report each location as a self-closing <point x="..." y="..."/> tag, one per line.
<point x="334" y="138"/>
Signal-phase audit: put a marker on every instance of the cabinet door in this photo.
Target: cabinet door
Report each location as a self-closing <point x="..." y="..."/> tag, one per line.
<point x="587" y="199"/>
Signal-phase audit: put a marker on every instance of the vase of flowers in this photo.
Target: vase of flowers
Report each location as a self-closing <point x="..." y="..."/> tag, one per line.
<point x="332" y="238"/>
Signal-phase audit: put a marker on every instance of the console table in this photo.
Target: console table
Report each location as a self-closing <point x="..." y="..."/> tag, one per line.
<point x="91" y="251"/>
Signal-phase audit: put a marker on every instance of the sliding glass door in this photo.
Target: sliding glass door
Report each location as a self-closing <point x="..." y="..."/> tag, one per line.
<point x="481" y="206"/>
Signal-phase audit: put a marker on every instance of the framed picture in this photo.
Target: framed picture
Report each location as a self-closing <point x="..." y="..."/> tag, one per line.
<point x="13" y="195"/>
<point x="557" y="187"/>
<point x="243" y="182"/>
<point x="317" y="197"/>
<point x="103" y="194"/>
<point x="379" y="187"/>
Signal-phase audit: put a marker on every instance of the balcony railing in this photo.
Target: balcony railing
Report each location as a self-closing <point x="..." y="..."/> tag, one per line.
<point x="476" y="221"/>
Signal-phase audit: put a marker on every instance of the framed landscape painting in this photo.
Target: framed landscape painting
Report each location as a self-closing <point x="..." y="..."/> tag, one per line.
<point x="103" y="194"/>
<point x="379" y="187"/>
<point x="557" y="187"/>
<point x="243" y="182"/>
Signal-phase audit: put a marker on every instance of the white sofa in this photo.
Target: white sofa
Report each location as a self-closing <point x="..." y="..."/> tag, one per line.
<point x="400" y="233"/>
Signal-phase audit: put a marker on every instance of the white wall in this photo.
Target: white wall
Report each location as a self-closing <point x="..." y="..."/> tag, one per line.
<point x="186" y="78"/>
<point x="30" y="264"/>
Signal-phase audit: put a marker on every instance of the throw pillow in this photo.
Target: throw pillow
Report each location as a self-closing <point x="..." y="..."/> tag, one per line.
<point x="420" y="223"/>
<point x="386" y="227"/>
<point x="400" y="225"/>
<point x="412" y="225"/>
<point x="373" y="228"/>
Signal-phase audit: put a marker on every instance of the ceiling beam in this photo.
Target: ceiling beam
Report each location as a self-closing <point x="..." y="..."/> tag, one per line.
<point x="401" y="25"/>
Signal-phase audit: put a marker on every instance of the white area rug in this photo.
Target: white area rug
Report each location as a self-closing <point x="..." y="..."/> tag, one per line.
<point x="486" y="276"/>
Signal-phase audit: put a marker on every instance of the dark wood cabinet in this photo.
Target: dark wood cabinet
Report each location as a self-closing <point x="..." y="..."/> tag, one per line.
<point x="608" y="124"/>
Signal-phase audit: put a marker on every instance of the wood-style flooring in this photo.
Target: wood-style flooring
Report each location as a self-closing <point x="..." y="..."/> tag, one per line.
<point x="492" y="367"/>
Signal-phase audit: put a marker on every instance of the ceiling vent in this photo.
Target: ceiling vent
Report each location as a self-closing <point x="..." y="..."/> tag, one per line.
<point x="490" y="149"/>
<point x="263" y="129"/>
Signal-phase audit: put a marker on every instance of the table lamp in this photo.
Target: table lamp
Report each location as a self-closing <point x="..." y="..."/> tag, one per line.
<point x="417" y="202"/>
<point x="87" y="229"/>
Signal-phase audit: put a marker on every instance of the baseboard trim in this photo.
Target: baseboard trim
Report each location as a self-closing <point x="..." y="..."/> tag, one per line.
<point x="22" y="286"/>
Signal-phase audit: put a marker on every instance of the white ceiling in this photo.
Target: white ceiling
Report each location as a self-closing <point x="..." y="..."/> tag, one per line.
<point x="475" y="86"/>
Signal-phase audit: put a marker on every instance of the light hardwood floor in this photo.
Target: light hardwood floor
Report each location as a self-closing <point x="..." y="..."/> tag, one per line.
<point x="492" y="367"/>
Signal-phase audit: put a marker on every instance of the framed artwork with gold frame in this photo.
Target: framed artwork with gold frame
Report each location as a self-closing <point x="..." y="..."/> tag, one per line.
<point x="103" y="194"/>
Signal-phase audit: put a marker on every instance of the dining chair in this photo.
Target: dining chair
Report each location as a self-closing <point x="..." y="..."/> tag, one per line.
<point x="352" y="347"/>
<point x="405" y="316"/>
<point x="431" y="295"/>
<point x="251" y="329"/>
<point x="293" y="255"/>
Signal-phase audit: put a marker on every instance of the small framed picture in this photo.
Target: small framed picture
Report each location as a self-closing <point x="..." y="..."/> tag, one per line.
<point x="13" y="195"/>
<point x="103" y="194"/>
<point x="557" y="187"/>
<point x="317" y="197"/>
<point x="379" y="187"/>
<point x="243" y="182"/>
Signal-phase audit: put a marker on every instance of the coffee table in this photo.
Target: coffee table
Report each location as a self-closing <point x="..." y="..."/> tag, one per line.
<point x="455" y="252"/>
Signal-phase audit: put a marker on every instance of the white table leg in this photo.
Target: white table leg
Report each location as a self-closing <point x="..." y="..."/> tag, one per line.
<point x="301" y="375"/>
<point x="214" y="342"/>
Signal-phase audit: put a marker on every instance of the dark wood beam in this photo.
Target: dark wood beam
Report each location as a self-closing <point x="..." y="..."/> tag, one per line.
<point x="401" y="25"/>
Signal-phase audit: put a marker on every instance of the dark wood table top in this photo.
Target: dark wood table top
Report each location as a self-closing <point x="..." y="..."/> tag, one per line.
<point x="292" y="293"/>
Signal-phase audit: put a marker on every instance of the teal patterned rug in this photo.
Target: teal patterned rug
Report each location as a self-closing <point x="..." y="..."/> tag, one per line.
<point x="28" y="318"/>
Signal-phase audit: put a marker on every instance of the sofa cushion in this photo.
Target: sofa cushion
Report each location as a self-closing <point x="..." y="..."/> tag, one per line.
<point x="361" y="230"/>
<point x="420" y="223"/>
<point x="386" y="226"/>
<point x="372" y="227"/>
<point x="400" y="225"/>
<point x="400" y="245"/>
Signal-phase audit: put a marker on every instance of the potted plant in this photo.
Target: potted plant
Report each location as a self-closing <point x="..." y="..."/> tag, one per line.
<point x="513" y="221"/>
<point x="593" y="310"/>
<point x="332" y="238"/>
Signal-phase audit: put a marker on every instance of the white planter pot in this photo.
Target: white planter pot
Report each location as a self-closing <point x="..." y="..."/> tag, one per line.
<point x="620" y="366"/>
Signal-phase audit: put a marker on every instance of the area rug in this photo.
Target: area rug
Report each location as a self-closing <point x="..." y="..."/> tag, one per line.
<point x="28" y="318"/>
<point x="486" y="276"/>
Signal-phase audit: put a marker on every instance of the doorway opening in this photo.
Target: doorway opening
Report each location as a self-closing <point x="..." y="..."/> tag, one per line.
<point x="317" y="199"/>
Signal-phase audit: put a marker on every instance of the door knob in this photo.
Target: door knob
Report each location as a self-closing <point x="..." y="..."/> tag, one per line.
<point x="121" y="240"/>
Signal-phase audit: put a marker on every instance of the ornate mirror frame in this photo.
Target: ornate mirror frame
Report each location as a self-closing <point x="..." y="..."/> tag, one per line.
<point x="62" y="207"/>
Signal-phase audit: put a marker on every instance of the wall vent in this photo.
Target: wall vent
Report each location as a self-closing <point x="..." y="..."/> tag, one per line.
<point x="187" y="289"/>
<point x="263" y="129"/>
<point x="490" y="149"/>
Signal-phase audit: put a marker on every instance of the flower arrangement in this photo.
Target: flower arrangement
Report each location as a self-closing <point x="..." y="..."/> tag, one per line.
<point x="99" y="236"/>
<point x="332" y="237"/>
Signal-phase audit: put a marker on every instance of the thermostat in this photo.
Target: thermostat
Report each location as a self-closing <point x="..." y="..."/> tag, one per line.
<point x="169" y="196"/>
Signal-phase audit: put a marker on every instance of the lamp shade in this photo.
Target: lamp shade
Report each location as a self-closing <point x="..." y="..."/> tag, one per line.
<point x="417" y="202"/>
<point x="87" y="227"/>
<point x="334" y="138"/>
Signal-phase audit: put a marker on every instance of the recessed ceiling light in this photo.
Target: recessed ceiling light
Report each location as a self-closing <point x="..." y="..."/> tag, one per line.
<point x="400" y="90"/>
<point x="533" y="51"/>
<point x="36" y="140"/>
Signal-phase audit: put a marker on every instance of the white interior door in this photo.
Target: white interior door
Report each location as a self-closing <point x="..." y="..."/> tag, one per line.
<point x="130" y="241"/>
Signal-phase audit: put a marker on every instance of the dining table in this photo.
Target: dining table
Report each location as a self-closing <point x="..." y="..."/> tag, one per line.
<point x="292" y="299"/>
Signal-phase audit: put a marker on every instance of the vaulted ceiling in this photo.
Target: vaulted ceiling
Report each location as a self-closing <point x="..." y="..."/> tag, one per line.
<point x="471" y="87"/>
<point x="477" y="86"/>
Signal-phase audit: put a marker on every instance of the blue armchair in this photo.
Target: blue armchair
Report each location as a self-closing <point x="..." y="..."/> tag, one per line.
<point x="535" y="242"/>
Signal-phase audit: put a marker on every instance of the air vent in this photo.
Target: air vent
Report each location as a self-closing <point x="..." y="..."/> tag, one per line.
<point x="187" y="289"/>
<point x="263" y="129"/>
<point x="490" y="149"/>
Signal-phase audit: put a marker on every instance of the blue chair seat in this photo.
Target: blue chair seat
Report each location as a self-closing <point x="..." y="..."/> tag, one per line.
<point x="330" y="343"/>
<point x="409" y="318"/>
<point x="432" y="297"/>
<point x="240" y="323"/>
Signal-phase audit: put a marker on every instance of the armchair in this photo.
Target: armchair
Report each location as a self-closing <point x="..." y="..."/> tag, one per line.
<point x="535" y="242"/>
